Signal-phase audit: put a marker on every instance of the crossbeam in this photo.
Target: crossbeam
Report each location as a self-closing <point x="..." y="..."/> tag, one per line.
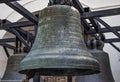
<point x="102" y="13"/>
<point x="80" y="8"/>
<point x="8" y="46"/>
<point x="20" y="9"/>
<point x="7" y="25"/>
<point x="112" y="40"/>
<point x="20" y="38"/>
<point x="2" y="1"/>
<point x="115" y="47"/>
<point x="16" y="25"/>
<point x="7" y="40"/>
<point x="103" y="30"/>
<point x="108" y="27"/>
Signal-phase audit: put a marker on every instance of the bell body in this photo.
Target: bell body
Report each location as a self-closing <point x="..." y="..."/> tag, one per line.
<point x="105" y="75"/>
<point x="59" y="48"/>
<point x="11" y="74"/>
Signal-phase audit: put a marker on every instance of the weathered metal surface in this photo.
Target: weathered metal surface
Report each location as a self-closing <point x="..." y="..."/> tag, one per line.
<point x="11" y="73"/>
<point x="105" y="75"/>
<point x="59" y="48"/>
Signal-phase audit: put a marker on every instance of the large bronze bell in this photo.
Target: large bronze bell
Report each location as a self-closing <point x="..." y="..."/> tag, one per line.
<point x="11" y="73"/>
<point x="105" y="75"/>
<point x="59" y="47"/>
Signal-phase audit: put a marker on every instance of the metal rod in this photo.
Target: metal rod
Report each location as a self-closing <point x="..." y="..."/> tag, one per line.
<point x="108" y="27"/>
<point x="20" y="49"/>
<point x="78" y="6"/>
<point x="7" y="40"/>
<point x="20" y="9"/>
<point x="2" y="1"/>
<point x="9" y="25"/>
<point x="103" y="30"/>
<point x="16" y="25"/>
<point x="115" y="47"/>
<point x="21" y="38"/>
<point x="16" y="44"/>
<point x="25" y="34"/>
<point x="6" y="51"/>
<point x="112" y="40"/>
<point x="36" y="78"/>
<point x="36" y="28"/>
<point x="28" y="23"/>
<point x="28" y="37"/>
<point x="23" y="31"/>
<point x="69" y="79"/>
<point x="101" y="13"/>
<point x="8" y="46"/>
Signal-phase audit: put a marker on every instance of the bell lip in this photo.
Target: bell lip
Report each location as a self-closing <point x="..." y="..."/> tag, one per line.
<point x="64" y="71"/>
<point x="91" y="66"/>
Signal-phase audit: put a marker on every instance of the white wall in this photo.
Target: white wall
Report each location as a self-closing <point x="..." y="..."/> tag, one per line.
<point x="3" y="62"/>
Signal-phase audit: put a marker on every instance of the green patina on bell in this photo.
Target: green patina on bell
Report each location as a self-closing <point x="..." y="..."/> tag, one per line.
<point x="59" y="47"/>
<point x="105" y="75"/>
<point x="11" y="73"/>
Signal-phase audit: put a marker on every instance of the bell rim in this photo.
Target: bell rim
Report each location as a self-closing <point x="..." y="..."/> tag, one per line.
<point x="71" y="63"/>
<point x="90" y="69"/>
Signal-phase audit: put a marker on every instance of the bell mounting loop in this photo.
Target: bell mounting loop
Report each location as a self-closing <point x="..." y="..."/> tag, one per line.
<point x="60" y="2"/>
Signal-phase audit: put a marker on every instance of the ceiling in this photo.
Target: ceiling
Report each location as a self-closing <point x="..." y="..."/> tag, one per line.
<point x="93" y="4"/>
<point x="96" y="4"/>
